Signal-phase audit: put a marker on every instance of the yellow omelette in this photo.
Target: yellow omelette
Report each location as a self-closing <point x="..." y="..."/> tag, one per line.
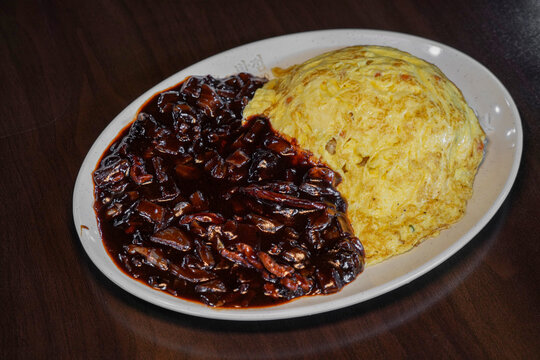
<point x="394" y="127"/>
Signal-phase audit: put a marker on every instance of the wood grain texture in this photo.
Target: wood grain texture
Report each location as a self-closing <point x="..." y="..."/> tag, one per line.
<point x="69" y="67"/>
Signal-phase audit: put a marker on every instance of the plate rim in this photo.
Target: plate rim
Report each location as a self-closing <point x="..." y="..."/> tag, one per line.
<point x="276" y="312"/>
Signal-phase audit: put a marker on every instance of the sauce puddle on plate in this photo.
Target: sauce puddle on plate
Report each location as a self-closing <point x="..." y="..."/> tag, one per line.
<point x="193" y="202"/>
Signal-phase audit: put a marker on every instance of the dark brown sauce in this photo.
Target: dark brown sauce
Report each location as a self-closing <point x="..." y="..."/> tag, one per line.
<point x="83" y="227"/>
<point x="194" y="203"/>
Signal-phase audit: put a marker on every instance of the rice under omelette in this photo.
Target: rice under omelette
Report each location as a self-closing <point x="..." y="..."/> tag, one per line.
<point x="396" y="129"/>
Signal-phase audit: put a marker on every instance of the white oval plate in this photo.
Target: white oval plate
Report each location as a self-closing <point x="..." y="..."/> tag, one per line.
<point x="482" y="90"/>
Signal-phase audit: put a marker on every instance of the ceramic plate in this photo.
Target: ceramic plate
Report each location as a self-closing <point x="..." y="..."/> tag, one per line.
<point x="482" y="90"/>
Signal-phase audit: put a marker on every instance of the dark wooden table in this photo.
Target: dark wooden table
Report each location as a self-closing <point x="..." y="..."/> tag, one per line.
<point x="68" y="68"/>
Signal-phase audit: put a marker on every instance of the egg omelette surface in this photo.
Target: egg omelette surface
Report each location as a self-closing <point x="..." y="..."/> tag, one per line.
<point x="396" y="129"/>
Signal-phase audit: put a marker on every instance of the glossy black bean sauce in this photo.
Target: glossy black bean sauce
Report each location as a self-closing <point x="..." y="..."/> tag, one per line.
<point x="191" y="202"/>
